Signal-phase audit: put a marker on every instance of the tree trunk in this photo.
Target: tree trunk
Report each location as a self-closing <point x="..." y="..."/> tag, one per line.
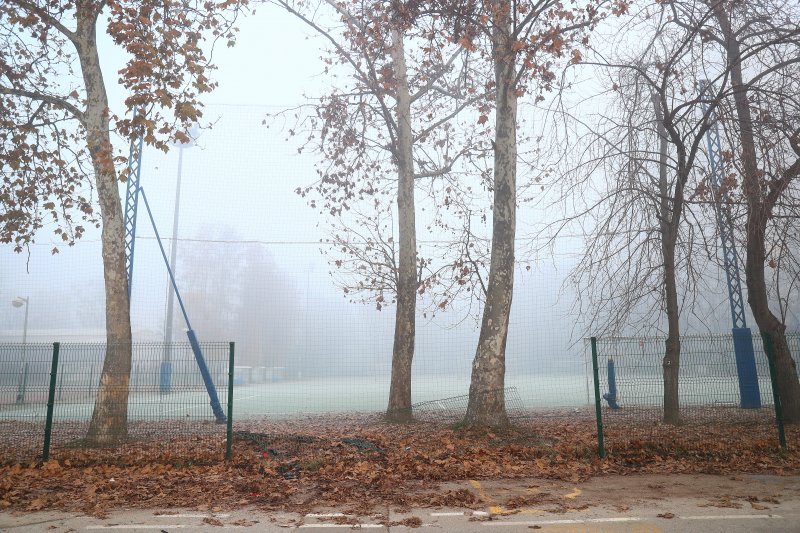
<point x="785" y="367"/>
<point x="672" y="348"/>
<point x="486" y="405"/>
<point x="668" y="223"/>
<point x="399" y="408"/>
<point x="786" y="376"/>
<point x="759" y="211"/>
<point x="109" y="423"/>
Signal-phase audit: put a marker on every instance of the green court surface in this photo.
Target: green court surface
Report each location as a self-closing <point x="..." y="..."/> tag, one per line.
<point x="288" y="398"/>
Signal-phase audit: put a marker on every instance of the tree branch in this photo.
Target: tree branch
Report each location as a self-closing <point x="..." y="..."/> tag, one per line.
<point x="50" y="99"/>
<point x="46" y="17"/>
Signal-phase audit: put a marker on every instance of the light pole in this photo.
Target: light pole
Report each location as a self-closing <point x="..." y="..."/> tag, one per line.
<point x="19" y="301"/>
<point x="165" y="383"/>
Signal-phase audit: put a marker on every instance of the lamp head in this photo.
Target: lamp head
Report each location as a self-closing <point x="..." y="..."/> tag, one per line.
<point x="194" y="133"/>
<point x="19" y="301"/>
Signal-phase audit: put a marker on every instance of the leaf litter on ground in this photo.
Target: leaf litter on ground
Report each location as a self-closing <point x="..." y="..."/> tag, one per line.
<point x="363" y="462"/>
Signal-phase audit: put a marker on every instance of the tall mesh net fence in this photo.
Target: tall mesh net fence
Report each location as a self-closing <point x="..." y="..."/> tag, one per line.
<point x="167" y="399"/>
<point x="249" y="269"/>
<point x="710" y="392"/>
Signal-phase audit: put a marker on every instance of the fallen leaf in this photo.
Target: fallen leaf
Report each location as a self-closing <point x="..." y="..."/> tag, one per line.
<point x="36" y="505"/>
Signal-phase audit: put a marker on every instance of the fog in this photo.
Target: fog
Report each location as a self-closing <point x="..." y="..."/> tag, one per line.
<point x="249" y="267"/>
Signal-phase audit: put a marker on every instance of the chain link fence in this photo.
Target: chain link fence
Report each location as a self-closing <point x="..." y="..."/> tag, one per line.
<point x="48" y="394"/>
<point x="719" y="392"/>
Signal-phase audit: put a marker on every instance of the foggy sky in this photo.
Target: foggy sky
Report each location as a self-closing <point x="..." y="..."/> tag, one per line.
<point x="238" y="186"/>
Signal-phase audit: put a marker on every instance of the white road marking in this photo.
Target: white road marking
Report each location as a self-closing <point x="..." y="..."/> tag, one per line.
<point x="215" y="515"/>
<point x="556" y="522"/>
<point x="326" y="515"/>
<point x="463" y="513"/>
<point x="141" y="526"/>
<point x="348" y="526"/>
<point x="627" y="519"/>
<point x="730" y="517"/>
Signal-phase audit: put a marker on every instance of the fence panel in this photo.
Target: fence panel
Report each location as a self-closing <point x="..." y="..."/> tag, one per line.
<point x="167" y="400"/>
<point x="631" y="386"/>
<point x="24" y="381"/>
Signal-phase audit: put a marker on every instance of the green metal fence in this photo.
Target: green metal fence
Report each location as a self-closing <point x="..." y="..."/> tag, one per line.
<point x="629" y="392"/>
<point x="24" y="382"/>
<point x="48" y="393"/>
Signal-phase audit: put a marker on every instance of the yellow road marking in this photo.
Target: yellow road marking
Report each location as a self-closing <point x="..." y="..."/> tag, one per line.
<point x="481" y="492"/>
<point x="530" y="510"/>
<point x="493" y="507"/>
<point x="498" y="509"/>
<point x="574" y="494"/>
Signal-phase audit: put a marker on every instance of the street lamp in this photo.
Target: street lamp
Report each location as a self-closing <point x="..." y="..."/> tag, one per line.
<point x="18" y="302"/>
<point x="166" y="364"/>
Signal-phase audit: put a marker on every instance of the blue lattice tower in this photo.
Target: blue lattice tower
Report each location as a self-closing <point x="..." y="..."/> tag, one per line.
<point x="749" y="392"/>
<point x="132" y="203"/>
<point x="134" y="190"/>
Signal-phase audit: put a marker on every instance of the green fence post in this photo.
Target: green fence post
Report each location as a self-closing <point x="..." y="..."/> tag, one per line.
<point x="51" y="398"/>
<point x="60" y="385"/>
<point x="776" y="397"/>
<point x="601" y="448"/>
<point x="229" y="430"/>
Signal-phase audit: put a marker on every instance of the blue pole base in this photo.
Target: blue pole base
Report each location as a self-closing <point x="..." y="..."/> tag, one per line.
<point x="611" y="395"/>
<point x="165" y="378"/>
<point x="612" y="401"/>
<point x="749" y="391"/>
<point x="209" y="383"/>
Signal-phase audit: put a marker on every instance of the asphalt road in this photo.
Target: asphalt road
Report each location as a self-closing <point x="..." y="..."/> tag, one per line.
<point x="614" y="504"/>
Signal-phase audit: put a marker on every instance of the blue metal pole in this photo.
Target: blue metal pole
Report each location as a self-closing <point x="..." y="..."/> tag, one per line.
<point x="749" y="390"/>
<point x="132" y="202"/>
<point x="198" y="354"/>
<point x="749" y="393"/>
<point x="611" y="395"/>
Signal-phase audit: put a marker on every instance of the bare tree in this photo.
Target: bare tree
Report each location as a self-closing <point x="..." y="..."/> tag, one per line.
<point x="761" y="46"/>
<point x="640" y="247"/>
<point x="391" y="128"/>
<point x="56" y="126"/>
<point x="698" y="32"/>
<point x="522" y="41"/>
